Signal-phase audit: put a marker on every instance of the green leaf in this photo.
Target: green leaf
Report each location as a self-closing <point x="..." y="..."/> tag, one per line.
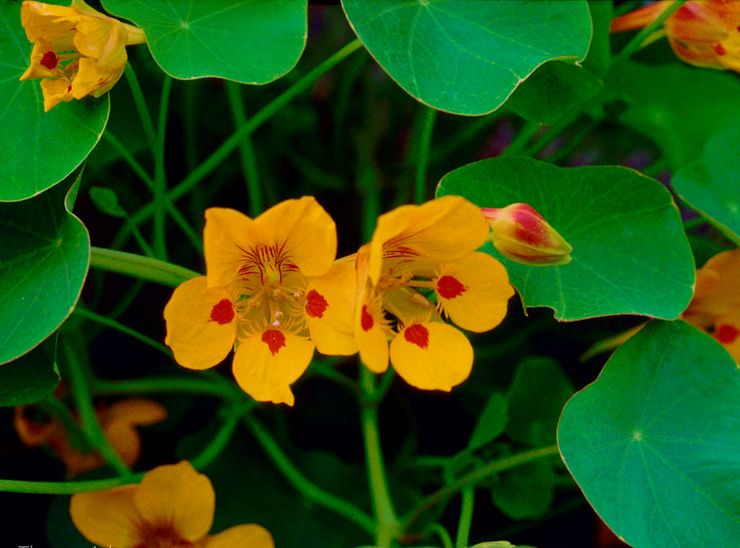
<point x="711" y="184"/>
<point x="680" y="107"/>
<point x="526" y="491"/>
<point x="31" y="377"/>
<point x="491" y="423"/>
<point x="106" y="200"/>
<point x="44" y="255"/>
<point x="248" y="41"/>
<point x="630" y="253"/>
<point x="536" y="398"/>
<point x="467" y="56"/>
<point x="38" y="149"/>
<point x="654" y="441"/>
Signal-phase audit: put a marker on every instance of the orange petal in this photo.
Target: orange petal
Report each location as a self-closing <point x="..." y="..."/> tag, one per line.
<point x="306" y="231"/>
<point x="179" y="496"/>
<point x="30" y="432"/>
<point x="474" y="292"/>
<point x="432" y="356"/>
<point x="638" y="18"/>
<point x="444" y="229"/>
<point x="228" y="237"/>
<point x="267" y="363"/>
<point x="119" y="425"/>
<point x="241" y="536"/>
<point x="107" y="518"/>
<point x="727" y="333"/>
<point x="201" y="324"/>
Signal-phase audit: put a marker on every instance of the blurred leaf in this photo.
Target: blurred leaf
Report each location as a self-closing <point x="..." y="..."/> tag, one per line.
<point x="599" y="53"/>
<point x="38" y="149"/>
<point x="678" y="106"/>
<point x="654" y="441"/>
<point x="44" y="256"/>
<point x="491" y="422"/>
<point x="106" y="200"/>
<point x="526" y="491"/>
<point x="536" y="398"/>
<point x="248" y="41"/>
<point x="630" y="253"/>
<point x="467" y="56"/>
<point x="711" y="184"/>
<point x="30" y="378"/>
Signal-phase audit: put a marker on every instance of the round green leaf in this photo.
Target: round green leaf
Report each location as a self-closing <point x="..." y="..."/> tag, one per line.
<point x="491" y="422"/>
<point x="654" y="441"/>
<point x="38" y="149"/>
<point x="30" y="378"/>
<point x="525" y="491"/>
<point x="467" y="56"/>
<point x="44" y="255"/>
<point x="248" y="41"/>
<point x="630" y="254"/>
<point x="712" y="184"/>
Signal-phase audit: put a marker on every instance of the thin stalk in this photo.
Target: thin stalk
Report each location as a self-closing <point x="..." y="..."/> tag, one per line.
<point x="221" y="440"/>
<point x="189" y="231"/>
<point x="66" y="487"/>
<point x="302" y="484"/>
<point x="141" y="107"/>
<point x="441" y="533"/>
<point x="60" y="411"/>
<point x="156" y="385"/>
<point x="246" y="152"/>
<point x="429" y="116"/>
<point x="467" y="506"/>
<point x="138" y="266"/>
<point x="522" y="138"/>
<point x="133" y="163"/>
<point x="160" y="179"/>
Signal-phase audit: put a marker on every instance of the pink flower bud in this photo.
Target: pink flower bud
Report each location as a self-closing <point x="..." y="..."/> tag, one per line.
<point x="521" y="234"/>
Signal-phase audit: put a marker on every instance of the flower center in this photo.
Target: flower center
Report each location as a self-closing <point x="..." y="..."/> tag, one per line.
<point x="49" y="60"/>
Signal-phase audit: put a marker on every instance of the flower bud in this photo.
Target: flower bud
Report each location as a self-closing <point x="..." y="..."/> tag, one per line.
<point x="521" y="234"/>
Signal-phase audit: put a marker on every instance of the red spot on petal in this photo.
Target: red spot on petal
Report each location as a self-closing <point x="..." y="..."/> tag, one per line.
<point x="222" y="312"/>
<point x="719" y="49"/>
<point x="274" y="340"/>
<point x="450" y="287"/>
<point x="417" y="334"/>
<point x="366" y="319"/>
<point x="316" y="304"/>
<point x="49" y="60"/>
<point x="726" y="334"/>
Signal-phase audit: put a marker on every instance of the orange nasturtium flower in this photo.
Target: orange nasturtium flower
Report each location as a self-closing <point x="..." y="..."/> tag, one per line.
<point x="272" y="291"/>
<point x="704" y="33"/>
<point x="715" y="307"/>
<point x="77" y="51"/>
<point x="421" y="265"/>
<point x="172" y="506"/>
<point x="119" y="422"/>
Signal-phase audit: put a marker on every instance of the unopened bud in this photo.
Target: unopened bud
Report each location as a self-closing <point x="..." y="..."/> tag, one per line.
<point x="521" y="234"/>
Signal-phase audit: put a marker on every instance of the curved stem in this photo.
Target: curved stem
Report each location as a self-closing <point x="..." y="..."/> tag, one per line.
<point x="429" y="115"/>
<point x="160" y="179"/>
<point x="442" y="534"/>
<point x="138" y="266"/>
<point x="66" y="487"/>
<point x="466" y="516"/>
<point x="637" y="41"/>
<point x="141" y="106"/>
<point x="167" y="384"/>
<point x="222" y="438"/>
<point x="246" y="152"/>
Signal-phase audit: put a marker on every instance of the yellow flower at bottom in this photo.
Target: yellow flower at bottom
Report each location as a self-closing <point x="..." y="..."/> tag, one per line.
<point x="272" y="292"/>
<point x="77" y="51"/>
<point x="421" y="266"/>
<point x="172" y="506"/>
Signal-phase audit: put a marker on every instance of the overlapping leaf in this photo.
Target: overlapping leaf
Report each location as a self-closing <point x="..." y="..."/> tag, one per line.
<point x="30" y="378"/>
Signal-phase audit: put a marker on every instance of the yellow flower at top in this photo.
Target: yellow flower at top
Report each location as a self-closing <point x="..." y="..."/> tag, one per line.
<point x="421" y="266"/>
<point x="715" y="307"/>
<point x="172" y="506"/>
<point x="272" y="291"/>
<point x="704" y="33"/>
<point x="77" y="51"/>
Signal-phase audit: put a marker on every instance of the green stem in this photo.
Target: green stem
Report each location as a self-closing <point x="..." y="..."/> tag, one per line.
<point x="222" y="438"/>
<point x="385" y="515"/>
<point x="160" y="179"/>
<point x="155" y="385"/>
<point x="190" y="233"/>
<point x="474" y="477"/>
<point x="138" y="266"/>
<point x="66" y="487"/>
<point x="460" y="137"/>
<point x="466" y="516"/>
<point x="74" y="433"/>
<point x="133" y="163"/>
<point x="302" y="484"/>
<point x="429" y="115"/>
<point x="141" y="107"/>
<point x="637" y="41"/>
<point x="246" y="152"/>
<point x="442" y="533"/>
<point x="522" y="138"/>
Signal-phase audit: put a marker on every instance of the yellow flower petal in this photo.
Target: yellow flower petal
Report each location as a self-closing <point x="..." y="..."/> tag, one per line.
<point x="432" y="356"/>
<point x="107" y="518"/>
<point x="306" y="231"/>
<point x="201" y="325"/>
<point x="241" y="536"/>
<point x="178" y="496"/>
<point x="370" y="333"/>
<point x="227" y="238"/>
<point x="102" y="39"/>
<point x="56" y="91"/>
<point x="92" y="80"/>
<point x="444" y="229"/>
<point x="266" y="364"/>
<point x="474" y="292"/>
<point x="50" y="23"/>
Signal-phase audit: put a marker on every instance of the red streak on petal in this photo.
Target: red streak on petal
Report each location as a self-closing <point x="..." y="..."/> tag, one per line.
<point x="726" y="334"/>
<point x="274" y="340"/>
<point x="417" y="334"/>
<point x="49" y="60"/>
<point x="530" y="227"/>
<point x="719" y="49"/>
<point x="222" y="312"/>
<point x="366" y="319"/>
<point x="450" y="287"/>
<point x="316" y="304"/>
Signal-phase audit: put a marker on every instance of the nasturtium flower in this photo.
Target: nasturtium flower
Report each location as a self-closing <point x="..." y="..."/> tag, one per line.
<point x="521" y="234"/>
<point x="77" y="51"/>
<point x="172" y="506"/>
<point x="118" y="421"/>
<point x="420" y="267"/>
<point x="272" y="291"/>
<point x="715" y="307"/>
<point x="704" y="33"/>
